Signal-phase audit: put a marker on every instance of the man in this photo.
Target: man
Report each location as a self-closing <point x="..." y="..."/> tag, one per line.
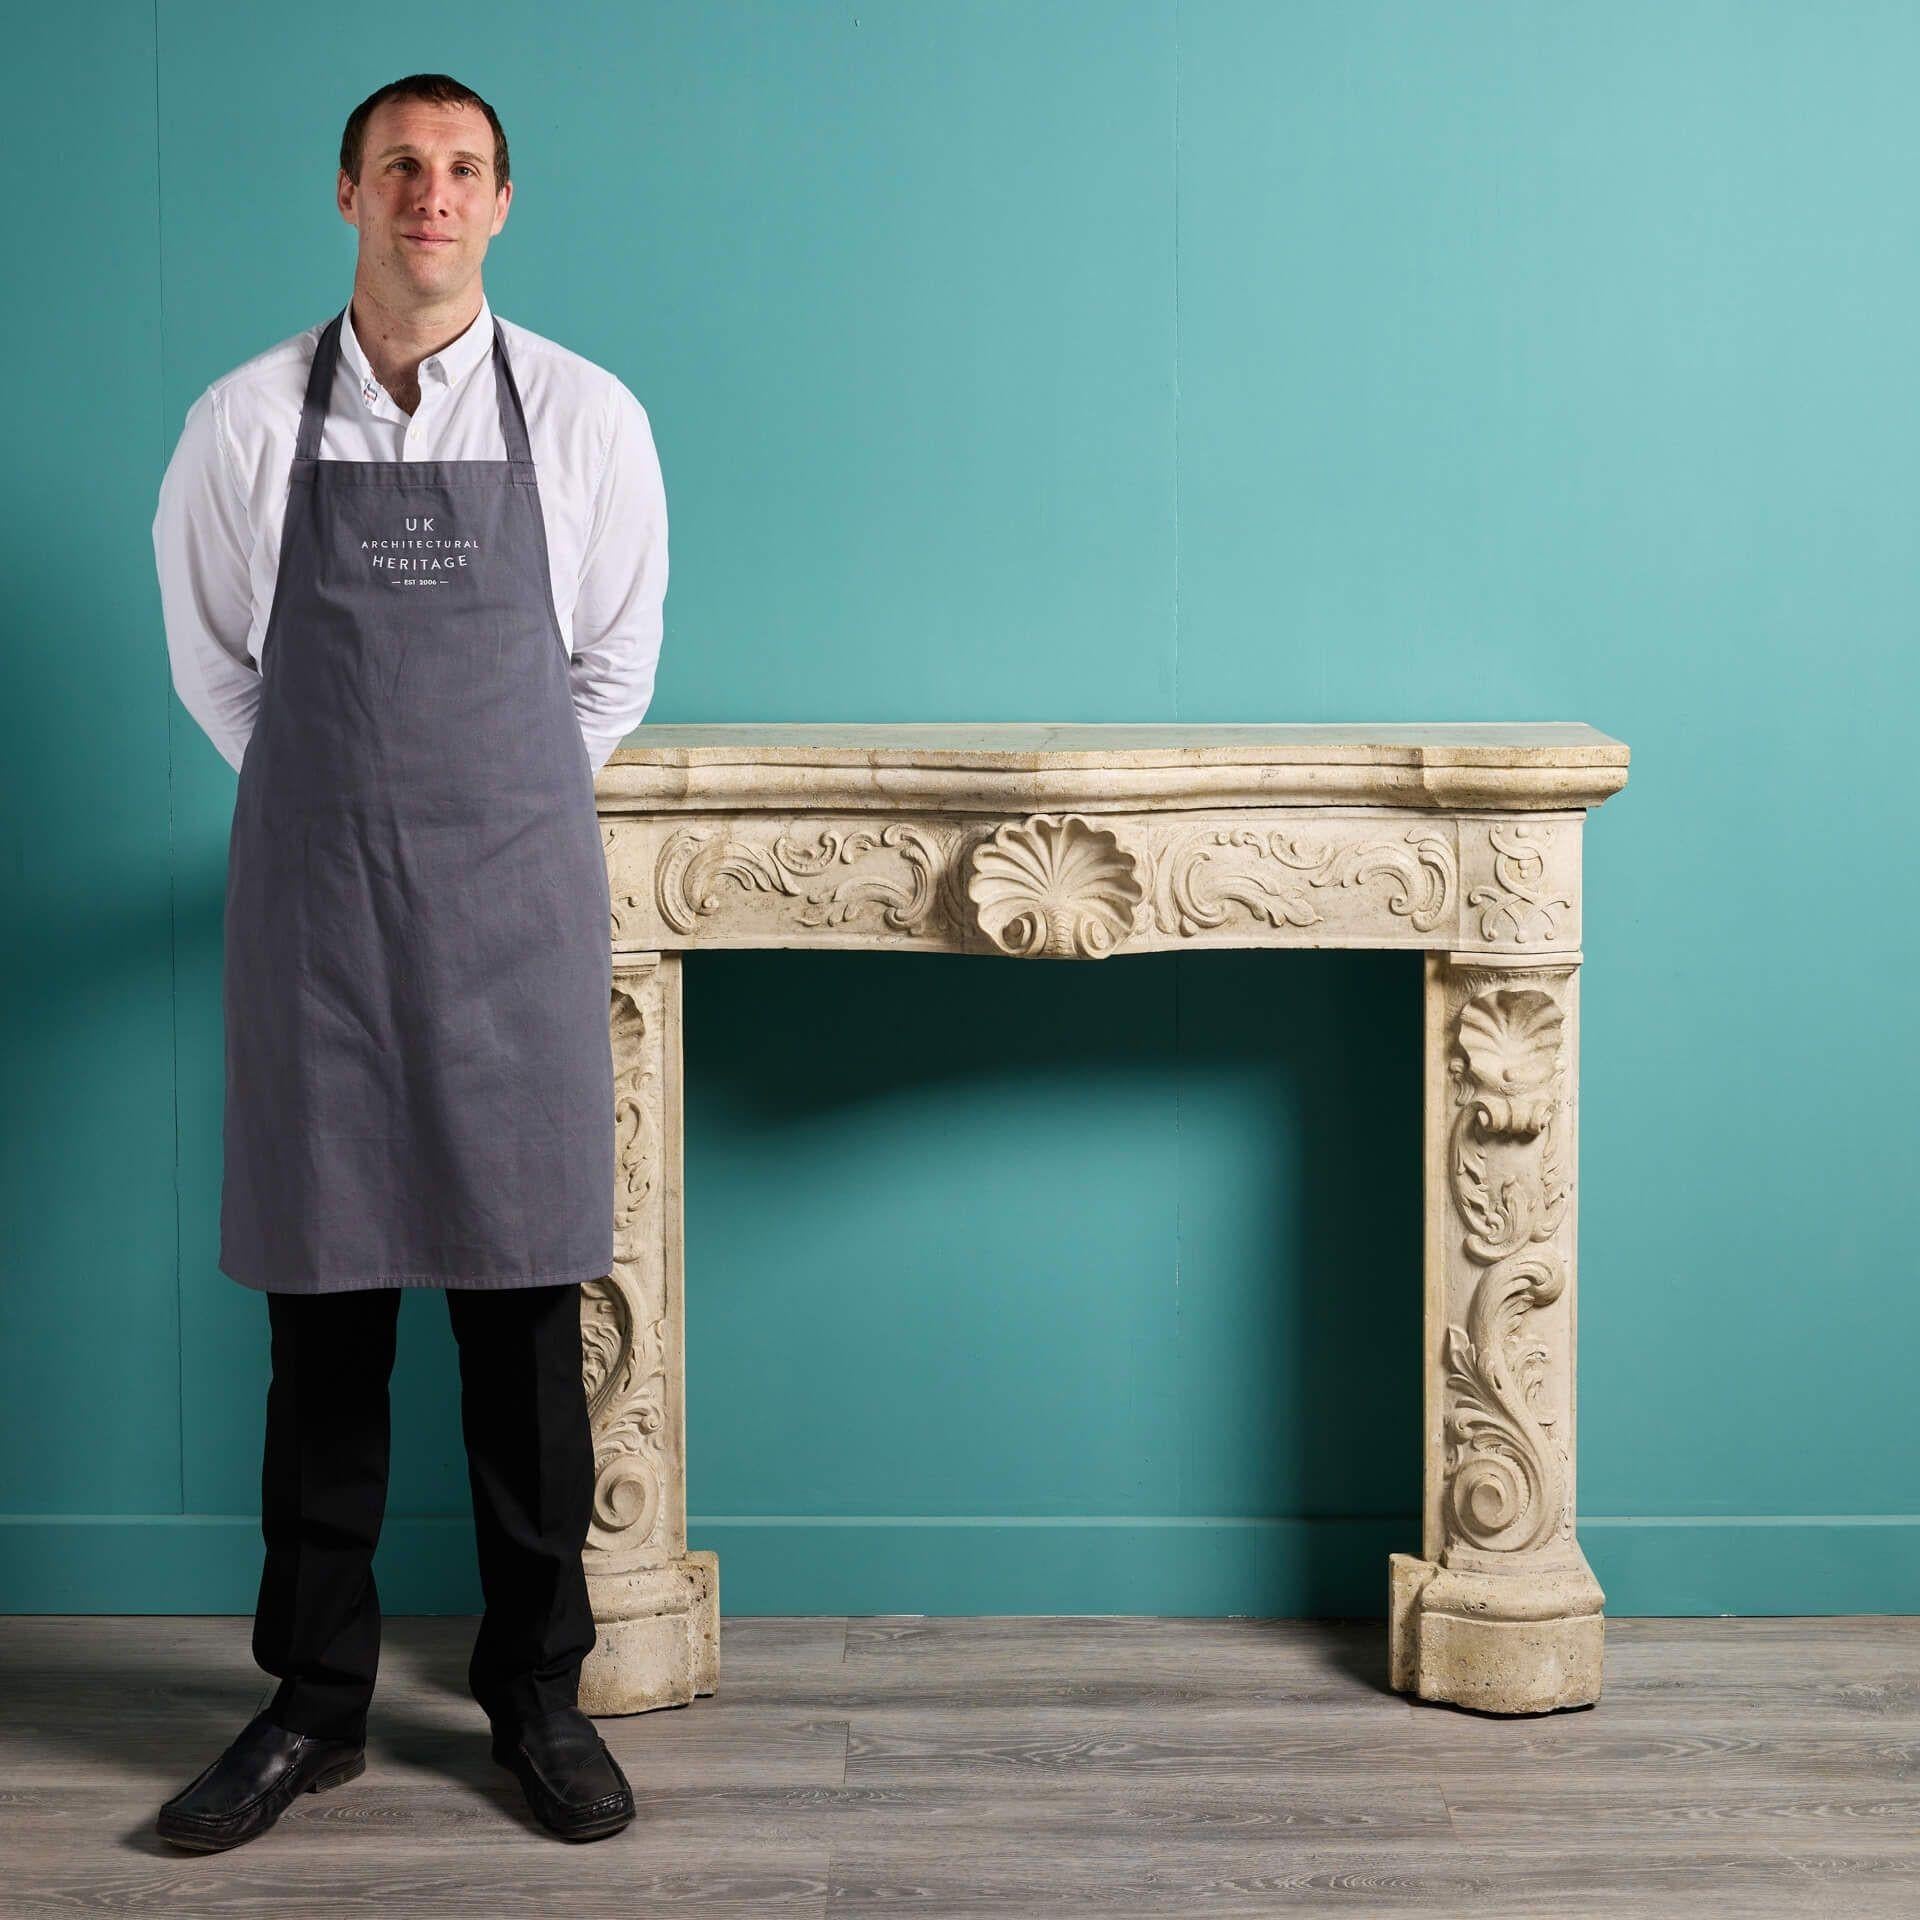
<point x="412" y="565"/>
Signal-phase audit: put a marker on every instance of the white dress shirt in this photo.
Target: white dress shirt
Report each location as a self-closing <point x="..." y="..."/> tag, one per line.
<point x="216" y="535"/>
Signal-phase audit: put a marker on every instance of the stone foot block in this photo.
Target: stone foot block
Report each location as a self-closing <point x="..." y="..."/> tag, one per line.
<point x="1520" y="1642"/>
<point x="657" y="1636"/>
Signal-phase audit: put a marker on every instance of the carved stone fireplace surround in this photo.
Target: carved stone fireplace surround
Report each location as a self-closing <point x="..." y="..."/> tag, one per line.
<point x="1087" y="842"/>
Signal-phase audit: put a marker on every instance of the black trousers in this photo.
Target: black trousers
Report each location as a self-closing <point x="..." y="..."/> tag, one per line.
<point x="323" y="1495"/>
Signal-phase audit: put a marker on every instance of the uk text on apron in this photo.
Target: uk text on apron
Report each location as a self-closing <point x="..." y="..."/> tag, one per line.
<point x="419" y="1078"/>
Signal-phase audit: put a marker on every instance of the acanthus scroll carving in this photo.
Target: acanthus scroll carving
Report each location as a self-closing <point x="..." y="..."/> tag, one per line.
<point x="1055" y="886"/>
<point x="1199" y="880"/>
<point x="622" y="1317"/>
<point x="624" y="1363"/>
<point x="896" y="868"/>
<point x="636" y="1112"/>
<point x="1510" y="1188"/>
<point x="1504" y="1493"/>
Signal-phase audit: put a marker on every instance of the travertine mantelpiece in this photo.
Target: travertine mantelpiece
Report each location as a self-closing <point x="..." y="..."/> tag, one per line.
<point x="1085" y="842"/>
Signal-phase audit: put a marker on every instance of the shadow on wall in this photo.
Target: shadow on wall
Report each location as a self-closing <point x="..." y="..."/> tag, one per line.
<point x="964" y="1173"/>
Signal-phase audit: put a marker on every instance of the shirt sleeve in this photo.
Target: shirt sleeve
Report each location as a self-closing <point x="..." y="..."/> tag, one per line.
<point x="623" y="584"/>
<point x="202" y="551"/>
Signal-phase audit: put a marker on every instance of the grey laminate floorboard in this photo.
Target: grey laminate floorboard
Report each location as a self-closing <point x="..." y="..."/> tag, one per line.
<point x="1023" y="1767"/>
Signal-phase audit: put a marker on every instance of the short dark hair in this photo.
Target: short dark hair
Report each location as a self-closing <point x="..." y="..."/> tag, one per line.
<point x="438" y="89"/>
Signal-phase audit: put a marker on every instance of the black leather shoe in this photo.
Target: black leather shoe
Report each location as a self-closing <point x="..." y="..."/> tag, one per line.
<point x="572" y="1783"/>
<point x="253" y="1783"/>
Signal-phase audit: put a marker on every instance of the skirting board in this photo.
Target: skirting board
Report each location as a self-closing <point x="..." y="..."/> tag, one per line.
<point x="812" y="1564"/>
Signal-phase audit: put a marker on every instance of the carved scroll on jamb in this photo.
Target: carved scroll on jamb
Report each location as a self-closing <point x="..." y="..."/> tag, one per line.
<point x="631" y="1322"/>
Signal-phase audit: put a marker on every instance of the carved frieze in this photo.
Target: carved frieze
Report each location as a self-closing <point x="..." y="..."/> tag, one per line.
<point x="1082" y="886"/>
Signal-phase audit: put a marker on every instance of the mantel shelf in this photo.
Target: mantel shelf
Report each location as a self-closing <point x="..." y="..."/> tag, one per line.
<point x="992" y="768"/>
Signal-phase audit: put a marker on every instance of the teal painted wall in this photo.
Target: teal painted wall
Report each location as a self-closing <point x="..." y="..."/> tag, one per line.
<point x="1121" y="361"/>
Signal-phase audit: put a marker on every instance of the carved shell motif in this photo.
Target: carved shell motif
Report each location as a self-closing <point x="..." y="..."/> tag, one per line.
<point x="1055" y="886"/>
<point x="1511" y="1040"/>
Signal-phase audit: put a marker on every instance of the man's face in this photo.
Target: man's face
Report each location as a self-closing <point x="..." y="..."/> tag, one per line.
<point x="426" y="202"/>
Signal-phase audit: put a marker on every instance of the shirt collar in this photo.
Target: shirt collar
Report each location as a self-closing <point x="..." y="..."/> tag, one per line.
<point x="449" y="366"/>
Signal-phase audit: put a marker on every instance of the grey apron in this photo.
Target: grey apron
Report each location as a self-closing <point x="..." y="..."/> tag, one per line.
<point x="419" y="1078"/>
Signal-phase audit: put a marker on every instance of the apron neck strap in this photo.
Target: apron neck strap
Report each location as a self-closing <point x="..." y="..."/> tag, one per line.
<point x="326" y="356"/>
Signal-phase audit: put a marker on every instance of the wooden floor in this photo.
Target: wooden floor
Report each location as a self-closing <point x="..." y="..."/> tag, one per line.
<point x="1022" y="1767"/>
